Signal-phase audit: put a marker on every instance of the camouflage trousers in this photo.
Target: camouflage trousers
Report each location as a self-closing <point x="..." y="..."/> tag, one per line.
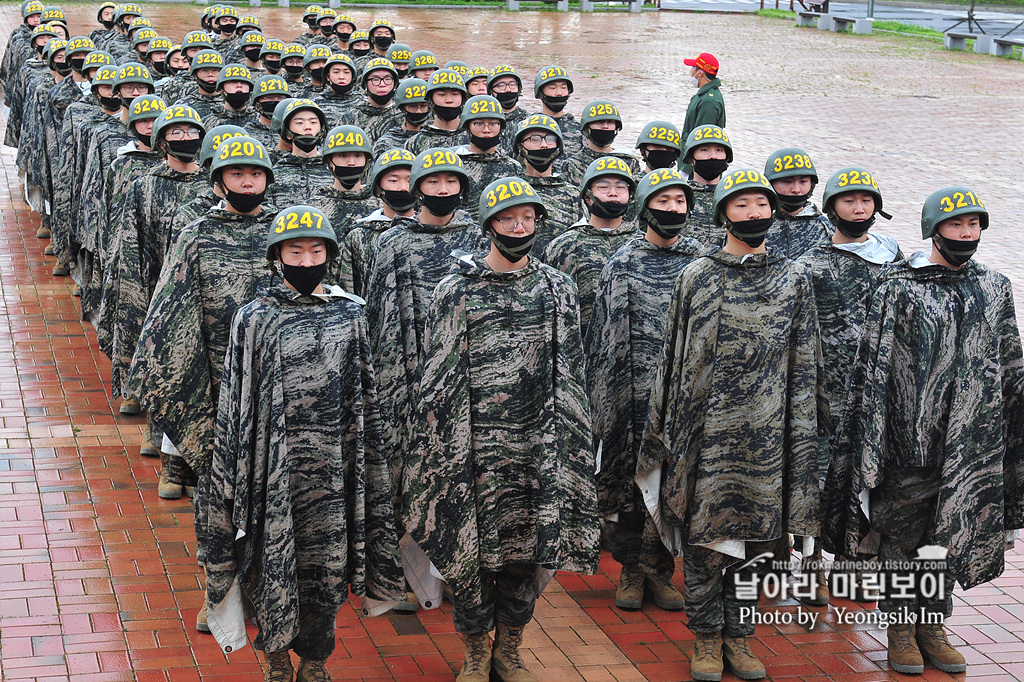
<point x="316" y="639"/>
<point x="635" y="540"/>
<point x="903" y="512"/>
<point x="509" y="597"/>
<point x="711" y="596"/>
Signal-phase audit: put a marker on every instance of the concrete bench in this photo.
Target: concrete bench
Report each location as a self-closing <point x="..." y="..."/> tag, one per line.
<point x="1001" y="47"/>
<point x="956" y="40"/>
<point x="560" y="5"/>
<point x="634" y="5"/>
<point x="808" y="19"/>
<point x="858" y="26"/>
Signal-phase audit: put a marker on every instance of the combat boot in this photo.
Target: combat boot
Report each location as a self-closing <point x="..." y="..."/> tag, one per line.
<point x="280" y="667"/>
<point x="130" y="406"/>
<point x="60" y="270"/>
<point x="665" y="594"/>
<point x="904" y="656"/>
<point x="48" y="250"/>
<point x="76" y="290"/>
<point x="476" y="665"/>
<point x="43" y="232"/>
<point x="203" y="626"/>
<point x="148" y="449"/>
<point x="507" y="662"/>
<point x="745" y="665"/>
<point x="630" y="594"/>
<point x="411" y="603"/>
<point x="812" y="565"/>
<point x="706" y="663"/>
<point x="312" y="671"/>
<point x="931" y="638"/>
<point x="165" y="489"/>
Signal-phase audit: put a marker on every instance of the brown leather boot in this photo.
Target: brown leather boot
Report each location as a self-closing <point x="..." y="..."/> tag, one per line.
<point x="932" y="641"/>
<point x="130" y="406"/>
<point x="279" y="667"/>
<point x="203" y="626"/>
<point x="630" y="593"/>
<point x="706" y="663"/>
<point x="147" y="449"/>
<point x="312" y="671"/>
<point x="60" y="270"/>
<point x="165" y="489"/>
<point x="43" y="233"/>
<point x="745" y="665"/>
<point x="812" y="567"/>
<point x="904" y="656"/>
<point x="48" y="250"/>
<point x="476" y="664"/>
<point x="506" y="660"/>
<point x="666" y="596"/>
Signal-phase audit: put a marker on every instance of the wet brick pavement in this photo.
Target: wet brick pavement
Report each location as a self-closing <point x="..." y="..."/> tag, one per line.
<point x="97" y="575"/>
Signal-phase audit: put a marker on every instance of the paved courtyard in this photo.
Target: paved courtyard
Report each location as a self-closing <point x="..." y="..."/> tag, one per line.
<point x="98" y="579"/>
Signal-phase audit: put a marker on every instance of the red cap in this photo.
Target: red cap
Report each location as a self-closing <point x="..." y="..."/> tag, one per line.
<point x="706" y="62"/>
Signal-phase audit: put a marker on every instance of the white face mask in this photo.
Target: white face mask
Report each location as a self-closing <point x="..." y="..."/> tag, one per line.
<point x="694" y="82"/>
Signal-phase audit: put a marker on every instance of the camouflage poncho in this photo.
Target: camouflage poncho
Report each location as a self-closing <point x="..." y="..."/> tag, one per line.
<point x="502" y="469"/>
<point x="335" y="106"/>
<point x="309" y="488"/>
<point x="18" y="90"/>
<point x="795" y="235"/>
<point x="357" y="251"/>
<point x="375" y="121"/>
<point x="572" y="133"/>
<point x="220" y="115"/>
<point x="623" y="340"/>
<point x="482" y="170"/>
<point x="731" y="448"/>
<point x="396" y="138"/>
<point x="575" y="165"/>
<point x="79" y="121"/>
<point x="582" y="253"/>
<point x="212" y="269"/>
<point x="939" y="382"/>
<point x="702" y="222"/>
<point x="508" y="132"/>
<point x="203" y="103"/>
<point x="411" y="259"/>
<point x="343" y="207"/>
<point x="429" y="136"/>
<point x="297" y="179"/>
<point x="562" y="202"/>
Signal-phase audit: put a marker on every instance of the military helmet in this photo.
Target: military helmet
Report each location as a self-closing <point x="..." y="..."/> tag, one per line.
<point x="948" y="203"/>
<point x="239" y="150"/>
<point x="226" y="11"/>
<point x="423" y="59"/>
<point x="270" y="85"/>
<point x="234" y="73"/>
<point x="399" y="53"/>
<point x="346" y="138"/>
<point x="30" y="8"/>
<point x="600" y="110"/>
<point x="382" y="23"/>
<point x="207" y="59"/>
<point x="53" y="14"/>
<point x="706" y="134"/>
<point x="540" y="123"/>
<point x="293" y="107"/>
<point x="173" y="115"/>
<point x="481" y="107"/>
<point x="272" y="46"/>
<point x="411" y="91"/>
<point x="96" y="59"/>
<point x="550" y="74"/>
<point x="278" y="118"/>
<point x="345" y="19"/>
<point x="174" y="48"/>
<point x="446" y="79"/>
<point x="80" y="44"/>
<point x="105" y="75"/>
<point x="133" y="72"/>
<point x="128" y="10"/>
<point x="661" y="133"/>
<point x="790" y="162"/>
<point x="50" y="51"/>
<point x="851" y="179"/>
<point x="343" y="60"/>
<point x="387" y="162"/>
<point x="476" y="72"/>
<point x="160" y="44"/>
<point x="311" y="11"/>
<point x="145" y="108"/>
<point x="503" y="70"/>
<point x="103" y="6"/>
<point x="249" y="21"/>
<point x="438" y="160"/>
<point x="301" y="222"/>
<point x="456" y="65"/>
<point x="137" y="23"/>
<point x="294" y="50"/>
<point x="326" y="13"/>
<point x="196" y="39"/>
<point x="608" y="166"/>
<point x="142" y="37"/>
<point x="315" y="53"/>
<point x="737" y="182"/>
<point x="41" y="30"/>
<point x="359" y="36"/>
<point x="504" y="193"/>
<point x="661" y="179"/>
<point x="378" y="64"/>
<point x="254" y="39"/>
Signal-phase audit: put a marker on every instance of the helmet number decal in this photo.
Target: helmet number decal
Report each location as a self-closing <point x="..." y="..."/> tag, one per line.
<point x="541" y="121"/>
<point x="236" y="72"/>
<point x="744" y="177"/>
<point x="959" y="200"/>
<point x="484" y="106"/>
<point x="859" y="178"/>
<point x="553" y="72"/>
<point x="507" y="190"/>
<point x="217" y="139"/>
<point x="143" y="105"/>
<point x="273" y="85"/>
<point x="792" y="161"/>
<point x="346" y="139"/>
<point x="293" y="221"/>
<point x="603" y="110"/>
<point x="393" y="155"/>
<point x="446" y="77"/>
<point x="711" y="133"/>
<point x="244" y="149"/>
<point x="664" y="174"/>
<point x="660" y="133"/>
<point x="441" y="157"/>
<point x="612" y="163"/>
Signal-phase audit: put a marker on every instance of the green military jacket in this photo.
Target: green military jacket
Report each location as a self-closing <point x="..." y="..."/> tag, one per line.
<point x="707" y="107"/>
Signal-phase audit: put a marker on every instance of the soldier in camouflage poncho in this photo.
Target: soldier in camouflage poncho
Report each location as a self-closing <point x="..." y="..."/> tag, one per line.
<point x="553" y="87"/>
<point x="32" y="68"/>
<point x="624" y="337"/>
<point x="377" y="114"/>
<point x="309" y="488"/>
<point x="601" y="124"/>
<point x="349" y="157"/>
<point x="709" y="151"/>
<point x="18" y="43"/>
<point x="799" y="225"/>
<point x="235" y="87"/>
<point x="505" y="85"/>
<point x="582" y="252"/>
<point x="446" y="94"/>
<point x="942" y="466"/>
<point x="300" y="173"/>
<point x="538" y="144"/>
<point x="729" y="459"/>
<point x="500" y="489"/>
<point x="482" y="158"/>
<point x="411" y="101"/>
<point x="340" y="96"/>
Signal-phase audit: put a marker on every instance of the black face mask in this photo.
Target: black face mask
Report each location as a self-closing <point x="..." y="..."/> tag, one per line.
<point x="666" y="224"/>
<point x="441" y="206"/>
<point x="343" y="37"/>
<point x="709" y="169"/>
<point x="447" y="113"/>
<point x="793" y="202"/>
<point x="606" y="209"/>
<point x="184" y="150"/>
<point x="306" y="143"/>
<point x="348" y="176"/>
<point x="272" y="65"/>
<point x="253" y="54"/>
<point x="62" y="68"/>
<point x="237" y="100"/>
<point x="327" y="30"/>
<point x="514" y="249"/>
<point x="660" y="158"/>
<point x="317" y="74"/>
<point x="110" y="103"/>
<point x="854" y="229"/>
<point x="402" y="73"/>
<point x="383" y="99"/>
<point x="399" y="200"/>
<point x="107" y="23"/>
<point x="243" y="202"/>
<point x="956" y="251"/>
<point x="146" y="140"/>
<point x="416" y="120"/>
<point x="268" y="107"/>
<point x="361" y="52"/>
<point x="311" y="22"/>
<point x="508" y="100"/>
<point x="541" y="159"/>
<point x="228" y="29"/>
<point x="485" y="143"/>
<point x="174" y="71"/>
<point x="342" y="89"/>
<point x="160" y="67"/>
<point x="383" y="42"/>
<point x="555" y="104"/>
<point x="208" y="88"/>
<point x="77" y="63"/>
<point x="750" y="232"/>
<point x="305" y="280"/>
<point x="602" y="138"/>
<point x="294" y="70"/>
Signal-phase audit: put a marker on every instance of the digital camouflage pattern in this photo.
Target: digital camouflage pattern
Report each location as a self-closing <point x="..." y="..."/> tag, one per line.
<point x="357" y="251"/>
<point x="31" y="69"/>
<point x="572" y="135"/>
<point x="180" y="87"/>
<point x="623" y="342"/>
<point x="297" y="178"/>
<point x="193" y="210"/>
<point x="508" y="133"/>
<point x="336" y="106"/>
<point x="79" y="120"/>
<point x="375" y="121"/>
<point x="562" y="202"/>
<point x="411" y="259"/>
<point x="204" y="104"/>
<point x="310" y="488"/>
<point x="31" y="135"/>
<point x="701" y="223"/>
<point x="260" y="131"/>
<point x="431" y="136"/>
<point x="344" y="207"/>
<point x="941" y="353"/>
<point x="396" y="138"/>
<point x="574" y="165"/>
<point x="221" y="116"/>
<point x="795" y="235"/>
<point x="582" y="252"/>
<point x="731" y="448"/>
<point x="483" y="169"/>
<point x="502" y="469"/>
